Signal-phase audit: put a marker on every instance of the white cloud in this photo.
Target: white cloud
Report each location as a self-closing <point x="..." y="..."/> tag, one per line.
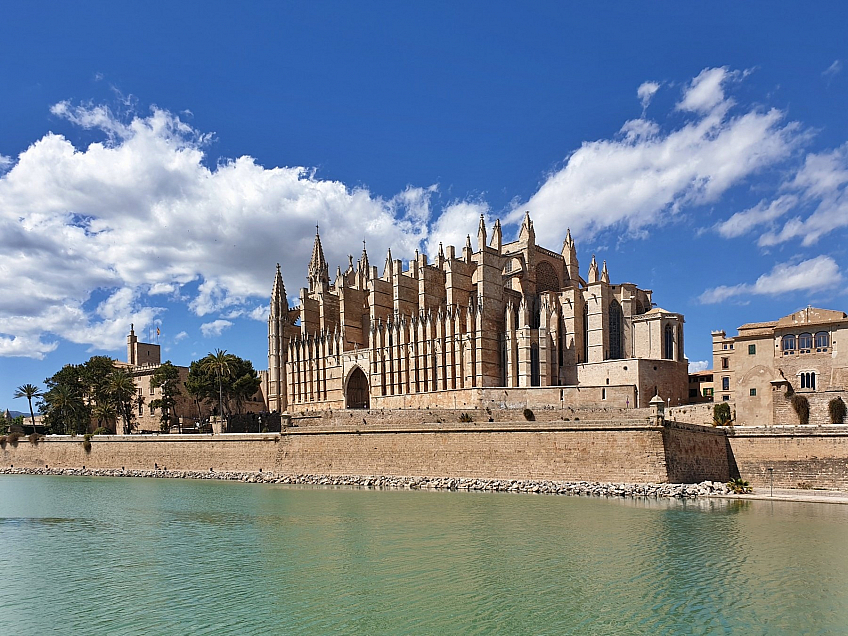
<point x="214" y="328"/>
<point x="699" y="365"/>
<point x="646" y="92"/>
<point x="764" y="212"/>
<point x="458" y="220"/>
<point x="815" y="274"/>
<point x="180" y="336"/>
<point x="831" y="71"/>
<point x="646" y="174"/>
<point x="140" y="215"/>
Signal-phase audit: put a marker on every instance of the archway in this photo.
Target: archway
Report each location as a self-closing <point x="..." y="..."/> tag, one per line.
<point x="357" y="393"/>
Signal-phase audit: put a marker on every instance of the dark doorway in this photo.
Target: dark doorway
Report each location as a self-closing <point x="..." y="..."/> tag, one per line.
<point x="357" y="390"/>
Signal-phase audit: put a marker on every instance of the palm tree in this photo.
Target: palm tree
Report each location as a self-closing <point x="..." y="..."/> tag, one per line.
<point x="29" y="391"/>
<point x="219" y="362"/>
<point x="123" y="391"/>
<point x="105" y="413"/>
<point x="67" y="406"/>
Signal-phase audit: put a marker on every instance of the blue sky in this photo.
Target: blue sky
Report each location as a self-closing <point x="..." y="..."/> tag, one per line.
<point x="157" y="160"/>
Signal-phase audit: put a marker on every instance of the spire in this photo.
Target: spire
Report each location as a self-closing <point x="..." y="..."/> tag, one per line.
<point x="387" y="270"/>
<point x="481" y="234"/>
<point x="593" y="270"/>
<point x="527" y="233"/>
<point x="569" y="255"/>
<point x="279" y="303"/>
<point x="605" y="274"/>
<point x="497" y="236"/>
<point x="363" y="260"/>
<point x="318" y="275"/>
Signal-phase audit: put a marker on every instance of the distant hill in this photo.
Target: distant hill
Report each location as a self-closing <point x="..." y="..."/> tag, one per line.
<point x="14" y="413"/>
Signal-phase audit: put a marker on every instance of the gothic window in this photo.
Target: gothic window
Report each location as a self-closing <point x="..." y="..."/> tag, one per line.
<point x="822" y="340"/>
<point x="561" y="345"/>
<point x="535" y="312"/>
<point x="502" y="352"/>
<point x="585" y="333"/>
<point x="616" y="318"/>
<point x="546" y="278"/>
<point x="534" y="365"/>
<point x="668" y="343"/>
<point x="805" y="342"/>
<point x="787" y="344"/>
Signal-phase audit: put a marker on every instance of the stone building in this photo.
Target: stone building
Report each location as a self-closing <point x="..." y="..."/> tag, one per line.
<point x="499" y="322"/>
<point x="754" y="370"/>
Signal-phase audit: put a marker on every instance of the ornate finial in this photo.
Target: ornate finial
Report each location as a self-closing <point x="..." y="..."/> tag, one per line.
<point x="316" y="229"/>
<point x="278" y="267"/>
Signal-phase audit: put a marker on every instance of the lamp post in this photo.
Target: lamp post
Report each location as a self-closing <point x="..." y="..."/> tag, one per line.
<point x="771" y="481"/>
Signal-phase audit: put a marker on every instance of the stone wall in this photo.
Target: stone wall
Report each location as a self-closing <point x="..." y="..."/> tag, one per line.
<point x="696" y="453"/>
<point x="801" y="456"/>
<point x="608" y="452"/>
<point x="784" y="414"/>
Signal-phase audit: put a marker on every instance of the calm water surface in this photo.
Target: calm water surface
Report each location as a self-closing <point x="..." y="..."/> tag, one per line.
<point x="144" y="556"/>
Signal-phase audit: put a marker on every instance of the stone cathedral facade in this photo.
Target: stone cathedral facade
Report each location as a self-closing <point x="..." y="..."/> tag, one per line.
<point x="503" y="323"/>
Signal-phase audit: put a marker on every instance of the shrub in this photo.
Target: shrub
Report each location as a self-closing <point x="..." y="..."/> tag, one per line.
<point x="13" y="438"/>
<point x="721" y="414"/>
<point x="789" y="391"/>
<point x="529" y="415"/>
<point x="802" y="408"/>
<point x="837" y="410"/>
<point x="465" y="417"/>
<point x="3" y="441"/>
<point x="739" y="486"/>
<point x="34" y="438"/>
<point x="86" y="444"/>
<point x="101" y="430"/>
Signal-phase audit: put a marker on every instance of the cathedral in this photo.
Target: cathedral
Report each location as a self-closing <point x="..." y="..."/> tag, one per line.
<point x="503" y="322"/>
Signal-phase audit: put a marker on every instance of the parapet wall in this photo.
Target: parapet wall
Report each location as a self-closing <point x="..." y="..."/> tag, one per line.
<point x="606" y="452"/>
<point x="800" y="456"/>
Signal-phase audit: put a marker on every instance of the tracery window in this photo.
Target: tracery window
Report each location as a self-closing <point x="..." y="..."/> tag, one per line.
<point x="822" y="340"/>
<point x="616" y="318"/>
<point x="546" y="278"/>
<point x="788" y="344"/>
<point x="534" y="365"/>
<point x="668" y="343"/>
<point x="805" y="342"/>
<point x="585" y="333"/>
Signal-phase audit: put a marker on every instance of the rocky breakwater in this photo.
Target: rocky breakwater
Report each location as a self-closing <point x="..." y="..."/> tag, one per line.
<point x="584" y="488"/>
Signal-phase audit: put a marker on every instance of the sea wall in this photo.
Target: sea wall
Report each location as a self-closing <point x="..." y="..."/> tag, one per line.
<point x="800" y="456"/>
<point x="604" y="452"/>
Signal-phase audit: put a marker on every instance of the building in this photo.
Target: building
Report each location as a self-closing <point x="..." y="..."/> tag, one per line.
<point x="755" y="369"/>
<point x="701" y="387"/>
<point x="143" y="359"/>
<point x="513" y="316"/>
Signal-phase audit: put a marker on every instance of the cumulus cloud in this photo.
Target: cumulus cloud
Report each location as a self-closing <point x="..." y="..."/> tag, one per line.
<point x="815" y="274"/>
<point x="214" y="328"/>
<point x="764" y="212"/>
<point x="458" y="220"/>
<point x="180" y="336"/>
<point x="649" y="172"/>
<point x="699" y="365"/>
<point x="140" y="215"/>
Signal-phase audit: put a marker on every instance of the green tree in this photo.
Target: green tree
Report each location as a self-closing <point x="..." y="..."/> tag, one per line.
<point x="167" y="376"/>
<point x="123" y="394"/>
<point x="223" y="378"/>
<point x="65" y="410"/>
<point x="29" y="391"/>
<point x="95" y="375"/>
<point x="721" y="414"/>
<point x="106" y="414"/>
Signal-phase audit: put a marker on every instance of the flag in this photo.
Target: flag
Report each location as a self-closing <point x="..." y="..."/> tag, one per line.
<point x="157" y="331"/>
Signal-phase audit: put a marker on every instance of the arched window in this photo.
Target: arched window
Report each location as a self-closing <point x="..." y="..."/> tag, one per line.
<point x="546" y="278"/>
<point x="822" y="341"/>
<point x="805" y="342"/>
<point x="534" y="365"/>
<point x="668" y="343"/>
<point x="808" y="380"/>
<point x="616" y="319"/>
<point x="536" y="312"/>
<point x="585" y="333"/>
<point x="788" y="344"/>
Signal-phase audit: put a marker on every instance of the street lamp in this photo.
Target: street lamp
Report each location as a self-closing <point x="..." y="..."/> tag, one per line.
<point x="771" y="481"/>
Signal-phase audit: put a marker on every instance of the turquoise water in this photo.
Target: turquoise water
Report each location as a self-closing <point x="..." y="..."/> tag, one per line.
<point x="144" y="556"/>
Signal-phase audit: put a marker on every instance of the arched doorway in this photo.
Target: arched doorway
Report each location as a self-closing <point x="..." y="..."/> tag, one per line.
<point x="357" y="394"/>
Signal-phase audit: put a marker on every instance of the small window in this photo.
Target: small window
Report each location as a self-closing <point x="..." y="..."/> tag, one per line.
<point x="752" y="392"/>
<point x="725" y="363"/>
<point x="603" y="394"/>
<point x="708" y="392"/>
<point x="731" y="345"/>
<point x="725" y="383"/>
<point x="724" y="346"/>
<point x="152" y="390"/>
<point x="808" y="380"/>
<point x="151" y="410"/>
<point x="822" y="341"/>
<point x="805" y="342"/>
<point x="725" y="398"/>
<point x="752" y="349"/>
<point x="693" y="393"/>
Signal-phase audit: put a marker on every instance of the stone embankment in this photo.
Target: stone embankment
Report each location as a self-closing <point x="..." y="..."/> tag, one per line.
<point x="677" y="491"/>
